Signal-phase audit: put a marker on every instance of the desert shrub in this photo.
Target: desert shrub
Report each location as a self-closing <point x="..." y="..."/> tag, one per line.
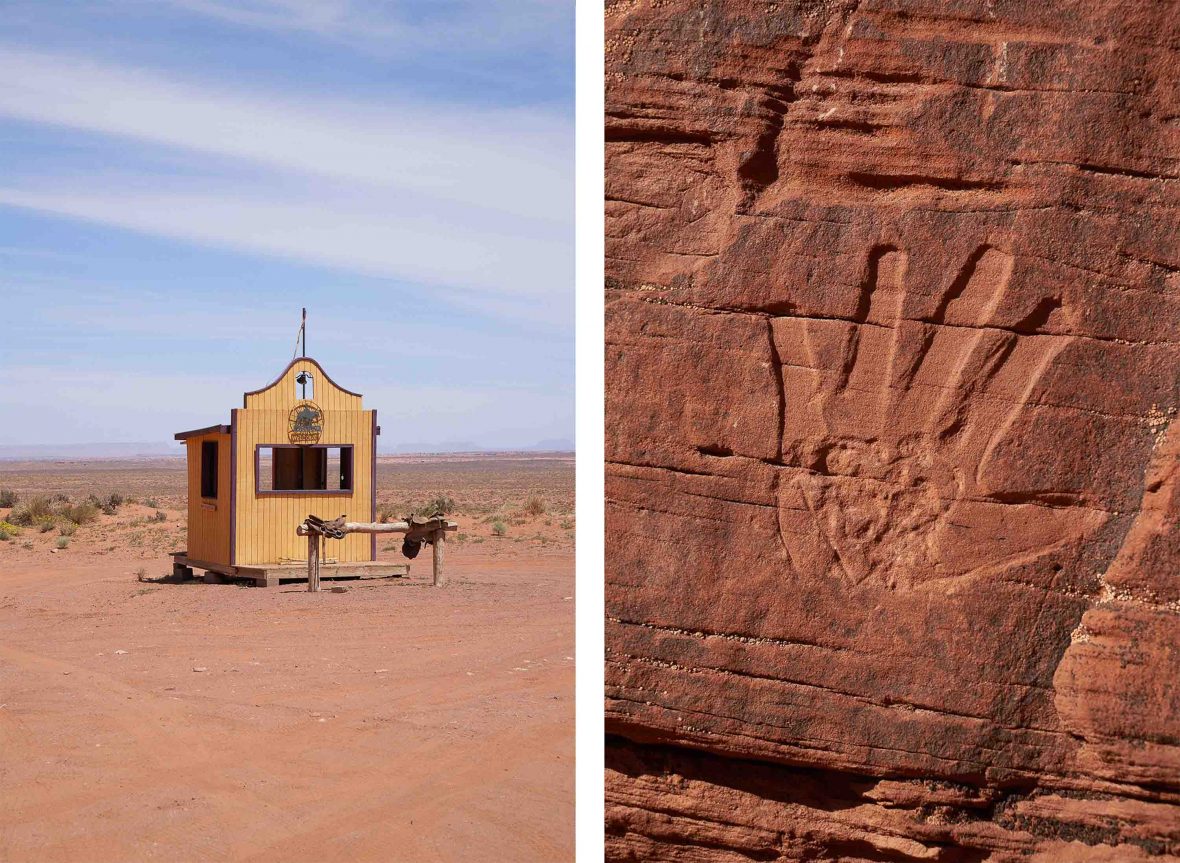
<point x="45" y="525"/>
<point x="63" y="542"/>
<point x="159" y="516"/>
<point x="10" y="527"/>
<point x="27" y="545"/>
<point x="152" y="502"/>
<point x="498" y="528"/>
<point x="387" y="511"/>
<point x="60" y="497"/>
<point x="5" y="535"/>
<point x="109" y="504"/>
<point x="81" y="513"/>
<point x="534" y="506"/>
<point x="31" y="511"/>
<point x="67" y="528"/>
<point x="8" y="498"/>
<point x="567" y="524"/>
<point x="438" y="503"/>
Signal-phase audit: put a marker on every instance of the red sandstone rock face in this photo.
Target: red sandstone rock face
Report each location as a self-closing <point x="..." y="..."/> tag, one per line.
<point x="893" y="351"/>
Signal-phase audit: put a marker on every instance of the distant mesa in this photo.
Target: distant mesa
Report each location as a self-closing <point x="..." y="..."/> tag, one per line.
<point x="134" y="449"/>
<point x="451" y="446"/>
<point x="156" y="449"/>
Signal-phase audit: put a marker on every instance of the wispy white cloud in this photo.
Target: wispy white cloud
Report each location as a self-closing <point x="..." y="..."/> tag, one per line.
<point x="384" y="26"/>
<point x="475" y="204"/>
<point x="317" y="16"/>
<point x="473" y="267"/>
<point x="510" y="160"/>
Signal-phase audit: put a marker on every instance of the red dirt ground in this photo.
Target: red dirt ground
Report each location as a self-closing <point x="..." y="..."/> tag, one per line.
<point x="393" y="721"/>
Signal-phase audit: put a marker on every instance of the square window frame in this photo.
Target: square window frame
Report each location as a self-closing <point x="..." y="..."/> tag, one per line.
<point x="324" y="492"/>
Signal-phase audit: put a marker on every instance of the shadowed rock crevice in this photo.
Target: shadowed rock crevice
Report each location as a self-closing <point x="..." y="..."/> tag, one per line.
<point x="781" y="812"/>
<point x="620" y="133"/>
<point x="758" y="165"/>
<point x="888" y="182"/>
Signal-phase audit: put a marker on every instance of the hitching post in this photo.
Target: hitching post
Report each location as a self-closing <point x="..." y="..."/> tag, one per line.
<point x="313" y="562"/>
<point x="439" y="538"/>
<point x="317" y="530"/>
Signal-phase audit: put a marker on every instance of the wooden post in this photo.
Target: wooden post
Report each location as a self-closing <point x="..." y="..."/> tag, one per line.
<point x="313" y="562"/>
<point x="319" y="555"/>
<point x="437" y="545"/>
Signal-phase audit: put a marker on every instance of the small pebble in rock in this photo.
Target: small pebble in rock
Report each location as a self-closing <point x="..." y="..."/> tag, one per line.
<point x="199" y="668"/>
<point x="120" y="652"/>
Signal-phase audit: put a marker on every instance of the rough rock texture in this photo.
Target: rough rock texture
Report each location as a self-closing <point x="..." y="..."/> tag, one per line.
<point x="893" y="353"/>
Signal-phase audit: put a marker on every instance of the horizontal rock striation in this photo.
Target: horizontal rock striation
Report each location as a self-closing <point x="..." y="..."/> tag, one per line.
<point x="893" y="487"/>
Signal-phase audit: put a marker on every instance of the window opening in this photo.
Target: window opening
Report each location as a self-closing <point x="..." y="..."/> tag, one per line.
<point x="304" y="468"/>
<point x="209" y="468"/>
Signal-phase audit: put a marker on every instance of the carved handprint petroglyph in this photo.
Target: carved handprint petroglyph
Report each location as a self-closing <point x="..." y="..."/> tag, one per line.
<point x="892" y="421"/>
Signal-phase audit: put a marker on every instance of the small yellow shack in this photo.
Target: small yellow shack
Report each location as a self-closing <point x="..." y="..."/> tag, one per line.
<point x="302" y="445"/>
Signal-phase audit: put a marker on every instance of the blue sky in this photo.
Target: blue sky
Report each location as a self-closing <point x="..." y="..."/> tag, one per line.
<point x="181" y="176"/>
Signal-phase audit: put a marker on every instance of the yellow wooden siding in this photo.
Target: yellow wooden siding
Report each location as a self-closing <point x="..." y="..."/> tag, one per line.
<point x="282" y="394"/>
<point x="266" y="523"/>
<point x="209" y="529"/>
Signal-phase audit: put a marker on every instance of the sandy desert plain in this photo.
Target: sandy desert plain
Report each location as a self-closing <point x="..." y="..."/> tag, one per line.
<point x="192" y="721"/>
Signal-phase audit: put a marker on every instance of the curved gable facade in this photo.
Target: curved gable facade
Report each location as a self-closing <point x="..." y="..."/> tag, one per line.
<point x="293" y="449"/>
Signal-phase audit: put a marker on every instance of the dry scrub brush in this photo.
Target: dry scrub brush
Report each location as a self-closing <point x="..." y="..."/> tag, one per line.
<point x="81" y="513"/>
<point x="35" y="509"/>
<point x="47" y="513"/>
<point x="440" y="503"/>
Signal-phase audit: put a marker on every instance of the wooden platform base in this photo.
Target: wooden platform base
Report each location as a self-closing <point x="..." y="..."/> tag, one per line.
<point x="270" y="574"/>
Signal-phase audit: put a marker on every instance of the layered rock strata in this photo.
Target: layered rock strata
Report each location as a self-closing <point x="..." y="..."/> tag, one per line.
<point x="893" y="357"/>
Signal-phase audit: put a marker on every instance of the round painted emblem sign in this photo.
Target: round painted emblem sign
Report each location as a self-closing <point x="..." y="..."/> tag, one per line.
<point x="305" y="423"/>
